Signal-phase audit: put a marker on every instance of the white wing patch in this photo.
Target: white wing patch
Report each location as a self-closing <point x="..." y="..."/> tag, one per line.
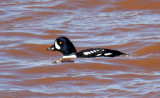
<point x="57" y="46"/>
<point x="86" y="53"/>
<point x="106" y="54"/>
<point x="94" y="50"/>
<point x="90" y="52"/>
<point x="98" y="54"/>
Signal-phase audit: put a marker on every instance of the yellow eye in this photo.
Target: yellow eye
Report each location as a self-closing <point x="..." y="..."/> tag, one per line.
<point x="60" y="43"/>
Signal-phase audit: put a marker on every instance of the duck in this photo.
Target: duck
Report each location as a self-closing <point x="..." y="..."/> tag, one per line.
<point x="66" y="47"/>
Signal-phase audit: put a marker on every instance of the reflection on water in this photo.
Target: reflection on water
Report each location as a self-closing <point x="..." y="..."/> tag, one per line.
<point x="28" y="27"/>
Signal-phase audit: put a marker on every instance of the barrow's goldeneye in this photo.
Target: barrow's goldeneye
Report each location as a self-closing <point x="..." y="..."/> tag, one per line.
<point x="64" y="45"/>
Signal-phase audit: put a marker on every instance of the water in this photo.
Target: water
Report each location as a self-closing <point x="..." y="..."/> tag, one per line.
<point x="28" y="27"/>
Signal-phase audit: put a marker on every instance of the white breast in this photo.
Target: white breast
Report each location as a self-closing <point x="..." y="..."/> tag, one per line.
<point x="70" y="56"/>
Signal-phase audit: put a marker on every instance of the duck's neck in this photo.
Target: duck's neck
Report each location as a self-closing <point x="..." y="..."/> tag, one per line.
<point x="69" y="50"/>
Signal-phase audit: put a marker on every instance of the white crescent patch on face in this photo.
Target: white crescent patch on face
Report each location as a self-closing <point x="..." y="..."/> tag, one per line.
<point x="57" y="46"/>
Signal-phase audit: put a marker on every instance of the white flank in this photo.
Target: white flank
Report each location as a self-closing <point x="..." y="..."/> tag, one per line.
<point x="57" y="46"/>
<point x="70" y="56"/>
<point x="106" y="54"/>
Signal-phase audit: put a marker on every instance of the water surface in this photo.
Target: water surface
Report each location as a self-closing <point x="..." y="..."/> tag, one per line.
<point x="28" y="27"/>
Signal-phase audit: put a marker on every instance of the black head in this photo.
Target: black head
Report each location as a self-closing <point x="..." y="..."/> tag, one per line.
<point x="64" y="45"/>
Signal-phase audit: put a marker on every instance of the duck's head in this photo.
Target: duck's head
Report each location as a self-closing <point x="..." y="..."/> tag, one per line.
<point x="64" y="45"/>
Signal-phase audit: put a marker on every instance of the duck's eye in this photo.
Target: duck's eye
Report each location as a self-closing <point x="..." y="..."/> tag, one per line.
<point x="60" y="43"/>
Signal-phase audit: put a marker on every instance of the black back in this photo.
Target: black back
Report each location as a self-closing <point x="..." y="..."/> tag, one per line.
<point x="99" y="52"/>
